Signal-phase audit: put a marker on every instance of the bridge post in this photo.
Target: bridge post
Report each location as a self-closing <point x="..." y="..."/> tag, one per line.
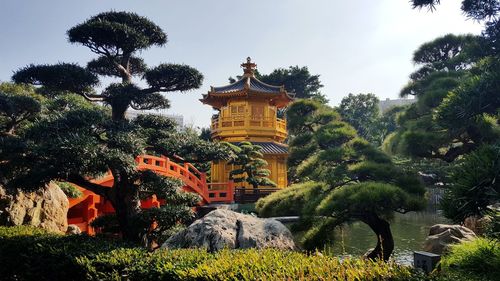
<point x="167" y="163"/>
<point x="203" y="179"/>
<point x="230" y="191"/>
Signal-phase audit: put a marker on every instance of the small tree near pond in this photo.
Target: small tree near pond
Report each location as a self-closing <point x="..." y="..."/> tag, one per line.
<point x="340" y="178"/>
<point x="250" y="165"/>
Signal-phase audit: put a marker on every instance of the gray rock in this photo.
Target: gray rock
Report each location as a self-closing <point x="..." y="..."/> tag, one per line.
<point x="478" y="224"/>
<point x="73" y="230"/>
<point x="221" y="229"/>
<point x="45" y="208"/>
<point x="441" y="236"/>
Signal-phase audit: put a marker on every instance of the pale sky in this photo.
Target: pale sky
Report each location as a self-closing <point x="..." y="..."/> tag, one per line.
<point x="356" y="46"/>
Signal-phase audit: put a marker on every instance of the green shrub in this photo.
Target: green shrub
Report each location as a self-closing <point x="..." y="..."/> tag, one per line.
<point x="70" y="190"/>
<point x="31" y="254"/>
<point x="493" y="226"/>
<point x="251" y="264"/>
<point x="28" y="253"/>
<point x="478" y="259"/>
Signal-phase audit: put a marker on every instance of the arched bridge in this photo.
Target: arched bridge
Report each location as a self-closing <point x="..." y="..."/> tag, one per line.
<point x="87" y="207"/>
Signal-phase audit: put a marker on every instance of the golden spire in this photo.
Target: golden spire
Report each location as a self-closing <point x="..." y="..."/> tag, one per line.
<point x="248" y="67"/>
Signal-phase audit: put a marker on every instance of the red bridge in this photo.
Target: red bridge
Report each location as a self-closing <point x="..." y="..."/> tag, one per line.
<point x="87" y="207"/>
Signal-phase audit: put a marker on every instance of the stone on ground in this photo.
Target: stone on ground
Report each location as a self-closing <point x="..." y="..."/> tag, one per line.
<point x="73" y="229"/>
<point x="221" y="229"/>
<point x="441" y="236"/>
<point x="46" y="208"/>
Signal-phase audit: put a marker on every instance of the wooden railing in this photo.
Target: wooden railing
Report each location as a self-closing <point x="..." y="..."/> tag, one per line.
<point x="275" y="126"/>
<point x="192" y="178"/>
<point x="250" y="195"/>
<point x="89" y="206"/>
<point x="221" y="192"/>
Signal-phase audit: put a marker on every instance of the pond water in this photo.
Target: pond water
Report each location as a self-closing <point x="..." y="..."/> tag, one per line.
<point x="409" y="232"/>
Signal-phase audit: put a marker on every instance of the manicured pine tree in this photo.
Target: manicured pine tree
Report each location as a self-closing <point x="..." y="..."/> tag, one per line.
<point x="446" y="63"/>
<point x="83" y="142"/>
<point x="250" y="165"/>
<point x="339" y="178"/>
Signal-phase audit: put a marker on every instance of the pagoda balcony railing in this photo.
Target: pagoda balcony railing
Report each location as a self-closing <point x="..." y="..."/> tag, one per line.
<point x="250" y="125"/>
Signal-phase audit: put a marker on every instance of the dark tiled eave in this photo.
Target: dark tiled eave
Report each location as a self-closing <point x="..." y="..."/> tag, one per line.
<point x="271" y="147"/>
<point x="253" y="84"/>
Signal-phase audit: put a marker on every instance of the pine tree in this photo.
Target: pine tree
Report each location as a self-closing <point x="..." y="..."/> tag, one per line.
<point x="80" y="140"/>
<point x="339" y="178"/>
<point x="250" y="165"/>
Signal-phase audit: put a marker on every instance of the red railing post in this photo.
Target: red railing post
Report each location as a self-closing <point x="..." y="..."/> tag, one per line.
<point x="167" y="163"/>
<point x="203" y="179"/>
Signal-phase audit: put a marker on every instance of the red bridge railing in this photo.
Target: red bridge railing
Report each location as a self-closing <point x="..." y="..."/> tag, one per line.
<point x="89" y="206"/>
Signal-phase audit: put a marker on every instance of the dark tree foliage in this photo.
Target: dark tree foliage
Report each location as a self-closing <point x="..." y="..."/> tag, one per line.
<point x="206" y="134"/>
<point x="339" y="178"/>
<point x="474" y="184"/>
<point x="447" y="64"/>
<point x="58" y="79"/>
<point x="385" y="125"/>
<point x="73" y="140"/>
<point x="116" y="37"/>
<point x="471" y="113"/>
<point x="475" y="9"/>
<point x="19" y="105"/>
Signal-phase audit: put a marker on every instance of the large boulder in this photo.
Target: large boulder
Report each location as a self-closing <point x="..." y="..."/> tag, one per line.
<point x="221" y="229"/>
<point x="46" y="208"/>
<point x="478" y="224"/>
<point x="441" y="236"/>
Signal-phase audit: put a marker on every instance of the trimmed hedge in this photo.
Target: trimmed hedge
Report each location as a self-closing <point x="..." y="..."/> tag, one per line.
<point x="32" y="254"/>
<point x="28" y="253"/>
<point x="191" y="264"/>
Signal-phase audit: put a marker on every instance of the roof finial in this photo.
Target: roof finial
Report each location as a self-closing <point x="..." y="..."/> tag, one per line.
<point x="248" y="67"/>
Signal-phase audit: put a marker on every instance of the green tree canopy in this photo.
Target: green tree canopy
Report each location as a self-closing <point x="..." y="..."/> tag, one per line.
<point x="424" y="130"/>
<point x="339" y="178"/>
<point x="19" y="105"/>
<point x="470" y="113"/>
<point x="361" y="111"/>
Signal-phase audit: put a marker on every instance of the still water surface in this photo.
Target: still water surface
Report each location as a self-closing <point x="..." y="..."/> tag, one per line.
<point x="409" y="231"/>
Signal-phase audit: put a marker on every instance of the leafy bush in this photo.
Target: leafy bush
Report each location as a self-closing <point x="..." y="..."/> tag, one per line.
<point x="474" y="184"/>
<point x="478" y="259"/>
<point x="28" y="253"/>
<point x="493" y="227"/>
<point x="70" y="190"/>
<point x="252" y="264"/>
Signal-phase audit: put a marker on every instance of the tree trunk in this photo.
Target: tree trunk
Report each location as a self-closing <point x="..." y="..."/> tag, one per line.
<point x="127" y="206"/>
<point x="385" y="241"/>
<point x="118" y="111"/>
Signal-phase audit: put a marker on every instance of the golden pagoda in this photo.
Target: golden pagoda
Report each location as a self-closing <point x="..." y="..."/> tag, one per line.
<point x="248" y="111"/>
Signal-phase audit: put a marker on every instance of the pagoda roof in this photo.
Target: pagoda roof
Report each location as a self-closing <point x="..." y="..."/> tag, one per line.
<point x="270" y="147"/>
<point x="247" y="86"/>
<point x="250" y="83"/>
